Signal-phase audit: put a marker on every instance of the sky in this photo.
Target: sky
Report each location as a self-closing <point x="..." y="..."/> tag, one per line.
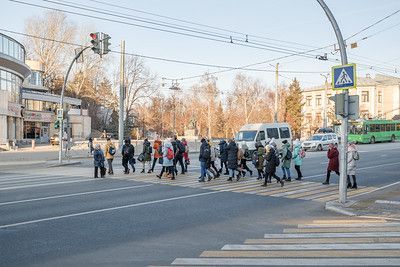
<point x="299" y="25"/>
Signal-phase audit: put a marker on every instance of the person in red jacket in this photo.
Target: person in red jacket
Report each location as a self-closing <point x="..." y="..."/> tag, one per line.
<point x="333" y="165"/>
<point x="157" y="153"/>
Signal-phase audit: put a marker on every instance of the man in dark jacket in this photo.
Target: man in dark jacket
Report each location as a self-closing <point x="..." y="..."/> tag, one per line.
<point x="204" y="156"/>
<point x="272" y="162"/>
<point x="128" y="153"/>
<point x="180" y="149"/>
<point x="223" y="152"/>
<point x="232" y="150"/>
<point x="98" y="160"/>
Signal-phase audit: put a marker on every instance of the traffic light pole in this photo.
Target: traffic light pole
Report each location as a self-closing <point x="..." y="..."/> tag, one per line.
<point x="61" y="132"/>
<point x="121" y="96"/>
<point x="344" y="127"/>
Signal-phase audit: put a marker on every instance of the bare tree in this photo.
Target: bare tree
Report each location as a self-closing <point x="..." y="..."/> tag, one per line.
<point x="52" y="26"/>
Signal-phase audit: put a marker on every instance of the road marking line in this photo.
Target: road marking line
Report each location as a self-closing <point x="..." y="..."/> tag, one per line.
<point x="391" y="202"/>
<point x="350" y="221"/>
<point x="74" y="194"/>
<point x="107" y="209"/>
<point x="336" y="246"/>
<point x="37" y="185"/>
<point x="289" y="262"/>
<point x="349" y="194"/>
<point x="347" y="225"/>
<point x="341" y="230"/>
<point x="309" y="188"/>
<point x="380" y="188"/>
<point x="324" y="240"/>
<point x="334" y="235"/>
<point x="8" y="183"/>
<point x="301" y="254"/>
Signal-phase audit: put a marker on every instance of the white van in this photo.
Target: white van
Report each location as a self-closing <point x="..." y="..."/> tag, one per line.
<point x="249" y="134"/>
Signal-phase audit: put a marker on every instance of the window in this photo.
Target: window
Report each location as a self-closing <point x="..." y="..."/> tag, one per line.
<point x="379" y="97"/>
<point x="246" y="135"/>
<point x="272" y="133"/>
<point x="398" y="127"/>
<point x="308" y="101"/>
<point x="364" y="96"/>
<point x="284" y="132"/>
<point x="261" y="136"/>
<point x="329" y="137"/>
<point x="318" y="100"/>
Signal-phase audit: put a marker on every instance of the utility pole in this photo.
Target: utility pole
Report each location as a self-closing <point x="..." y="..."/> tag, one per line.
<point x="344" y="126"/>
<point x="276" y="94"/>
<point x="325" y="100"/>
<point x="121" y="95"/>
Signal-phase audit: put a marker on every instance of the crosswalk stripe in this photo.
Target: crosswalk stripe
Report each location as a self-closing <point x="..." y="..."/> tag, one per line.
<point x="333" y="235"/>
<point x="300" y="254"/>
<point x="348" y="225"/>
<point x="341" y="230"/>
<point x="279" y="189"/>
<point x="290" y="262"/>
<point x="349" y="221"/>
<point x="312" y="246"/>
<point x="322" y="194"/>
<point x="308" y="193"/>
<point x="324" y="240"/>
<point x="349" y="194"/>
<point x="309" y="188"/>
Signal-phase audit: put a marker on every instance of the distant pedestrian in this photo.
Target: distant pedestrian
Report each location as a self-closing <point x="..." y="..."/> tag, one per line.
<point x="352" y="158"/>
<point x="273" y="161"/>
<point x="333" y="165"/>
<point x="90" y="146"/>
<point x="147" y="150"/>
<point x="223" y="154"/>
<point x="180" y="149"/>
<point x="186" y="154"/>
<point x="211" y="163"/>
<point x="244" y="151"/>
<point x="298" y="155"/>
<point x="232" y="159"/>
<point x="157" y="153"/>
<point x="98" y="159"/>
<point x="286" y="160"/>
<point x="168" y="160"/>
<point x="204" y="157"/>
<point x="110" y="152"/>
<point x="128" y="153"/>
<point x="259" y="158"/>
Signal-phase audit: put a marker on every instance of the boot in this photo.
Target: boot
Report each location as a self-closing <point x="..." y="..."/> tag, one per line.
<point x="264" y="184"/>
<point x="142" y="171"/>
<point x="326" y="182"/>
<point x="238" y="177"/>
<point x="349" y="185"/>
<point x="229" y="179"/>
<point x="289" y="179"/>
<point x="354" y="186"/>
<point x="251" y="173"/>
<point x="282" y="182"/>
<point x="354" y="182"/>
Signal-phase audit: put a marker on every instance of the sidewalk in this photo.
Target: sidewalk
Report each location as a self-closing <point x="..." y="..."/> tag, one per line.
<point x="384" y="203"/>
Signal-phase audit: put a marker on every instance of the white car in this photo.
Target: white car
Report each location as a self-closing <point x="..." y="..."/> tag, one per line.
<point x="320" y="141"/>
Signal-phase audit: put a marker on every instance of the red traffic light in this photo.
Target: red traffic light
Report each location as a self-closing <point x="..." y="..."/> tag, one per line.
<point x="93" y="36"/>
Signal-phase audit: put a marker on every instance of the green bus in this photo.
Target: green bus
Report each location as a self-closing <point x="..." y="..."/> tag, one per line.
<point x="371" y="131"/>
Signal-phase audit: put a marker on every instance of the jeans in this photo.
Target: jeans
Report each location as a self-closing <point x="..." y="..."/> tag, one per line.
<point x="286" y="172"/>
<point x="110" y="167"/>
<point x="179" y="158"/>
<point x="203" y="170"/>
<point x="231" y="173"/>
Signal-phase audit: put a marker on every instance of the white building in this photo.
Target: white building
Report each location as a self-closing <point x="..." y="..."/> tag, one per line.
<point x="379" y="98"/>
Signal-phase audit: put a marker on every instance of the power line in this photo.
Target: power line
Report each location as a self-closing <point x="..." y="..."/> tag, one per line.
<point x="373" y="24"/>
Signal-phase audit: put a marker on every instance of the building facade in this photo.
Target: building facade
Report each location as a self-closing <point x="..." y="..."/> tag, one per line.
<point x="379" y="98"/>
<point x="13" y="71"/>
<point x="40" y="108"/>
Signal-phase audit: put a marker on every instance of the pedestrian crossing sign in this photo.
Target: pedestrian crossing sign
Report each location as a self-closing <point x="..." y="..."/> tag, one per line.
<point x="344" y="77"/>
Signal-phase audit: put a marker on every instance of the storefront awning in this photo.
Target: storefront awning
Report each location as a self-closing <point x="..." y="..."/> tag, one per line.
<point x="41" y="96"/>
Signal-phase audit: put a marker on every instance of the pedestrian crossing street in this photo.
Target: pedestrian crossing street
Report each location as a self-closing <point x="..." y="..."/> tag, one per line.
<point x="305" y="190"/>
<point x="337" y="242"/>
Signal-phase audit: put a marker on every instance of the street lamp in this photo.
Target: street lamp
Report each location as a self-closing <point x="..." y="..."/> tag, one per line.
<point x="325" y="100"/>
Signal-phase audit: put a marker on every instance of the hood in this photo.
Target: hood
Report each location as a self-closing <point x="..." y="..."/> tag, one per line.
<point x="168" y="145"/>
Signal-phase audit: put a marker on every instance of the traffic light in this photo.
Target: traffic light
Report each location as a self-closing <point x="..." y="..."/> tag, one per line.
<point x="96" y="42"/>
<point x="339" y="100"/>
<point x="57" y="124"/>
<point x="106" y="43"/>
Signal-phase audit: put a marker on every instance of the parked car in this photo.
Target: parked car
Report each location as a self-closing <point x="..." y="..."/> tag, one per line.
<point x="320" y="141"/>
<point x="54" y="140"/>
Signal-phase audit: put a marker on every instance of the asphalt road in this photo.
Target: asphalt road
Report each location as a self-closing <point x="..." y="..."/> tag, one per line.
<point x="62" y="217"/>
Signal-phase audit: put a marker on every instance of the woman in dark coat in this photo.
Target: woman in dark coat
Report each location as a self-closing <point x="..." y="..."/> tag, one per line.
<point x="232" y="158"/>
<point x="270" y="168"/>
<point x="333" y="165"/>
<point x="223" y="153"/>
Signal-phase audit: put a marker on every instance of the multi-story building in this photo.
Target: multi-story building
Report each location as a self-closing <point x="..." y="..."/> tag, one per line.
<point x="13" y="71"/>
<point x="379" y="98"/>
<point x="41" y="106"/>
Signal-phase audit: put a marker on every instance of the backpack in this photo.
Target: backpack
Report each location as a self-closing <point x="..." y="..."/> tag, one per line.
<point x="181" y="147"/>
<point x="302" y="153"/>
<point x="255" y="158"/>
<point x="149" y="149"/>
<point x="289" y="154"/>
<point x="356" y="156"/>
<point x="276" y="160"/>
<point x="207" y="152"/>
<point x="112" y="150"/>
<point x="170" y="154"/>
<point x="126" y="150"/>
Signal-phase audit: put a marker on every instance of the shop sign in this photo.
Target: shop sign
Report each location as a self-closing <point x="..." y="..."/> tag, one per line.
<point x="38" y="116"/>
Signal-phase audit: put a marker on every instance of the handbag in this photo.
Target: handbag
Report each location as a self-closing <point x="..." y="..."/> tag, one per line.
<point x="140" y="157"/>
<point x="160" y="160"/>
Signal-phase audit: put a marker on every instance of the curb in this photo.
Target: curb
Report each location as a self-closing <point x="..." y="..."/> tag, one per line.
<point x="338" y="208"/>
<point x="64" y="164"/>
